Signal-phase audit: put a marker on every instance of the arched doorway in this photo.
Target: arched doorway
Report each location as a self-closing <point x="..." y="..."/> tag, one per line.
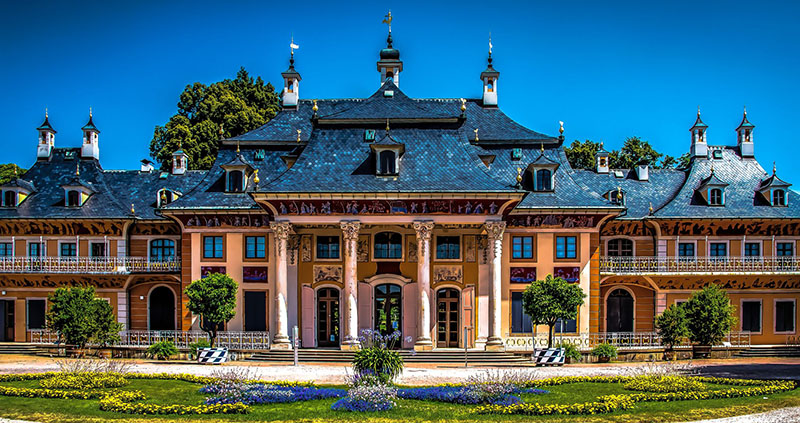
<point x="328" y="317"/>
<point x="619" y="311"/>
<point x="161" y="309"/>
<point x="447" y="318"/>
<point x="388" y="312"/>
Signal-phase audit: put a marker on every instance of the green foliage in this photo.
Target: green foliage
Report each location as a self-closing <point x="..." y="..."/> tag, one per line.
<point x="162" y="350"/>
<point x="581" y="155"/>
<point x="548" y="300"/>
<point x="239" y="105"/>
<point x="604" y="350"/>
<point x="213" y="298"/>
<point x="385" y="364"/>
<point x="194" y="346"/>
<point x="672" y="325"/>
<point x="570" y="351"/>
<point x="79" y="317"/>
<point x="710" y="315"/>
<point x="10" y="171"/>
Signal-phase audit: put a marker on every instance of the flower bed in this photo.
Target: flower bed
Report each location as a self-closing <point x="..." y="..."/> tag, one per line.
<point x="664" y="384"/>
<point x="84" y="380"/>
<point x="467" y="394"/>
<point x="266" y="394"/>
<point x="367" y="398"/>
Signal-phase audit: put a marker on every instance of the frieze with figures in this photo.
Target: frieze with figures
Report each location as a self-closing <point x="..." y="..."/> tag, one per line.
<point x="730" y="227"/>
<point x="555" y="220"/>
<point x="57" y="281"/>
<point x="58" y="227"/>
<point x="155" y="229"/>
<point x="690" y="283"/>
<point x="225" y="220"/>
<point x="371" y="207"/>
<point x="626" y="228"/>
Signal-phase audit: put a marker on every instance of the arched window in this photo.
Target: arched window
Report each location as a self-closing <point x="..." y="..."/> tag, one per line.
<point x="10" y="198"/>
<point x="490" y="85"/>
<point x="387" y="163"/>
<point x="73" y="198"/>
<point x="544" y="180"/>
<point x="620" y="248"/>
<point x="235" y="181"/>
<point x="715" y="197"/>
<point x="778" y="197"/>
<point x="388" y="245"/>
<point x="162" y="249"/>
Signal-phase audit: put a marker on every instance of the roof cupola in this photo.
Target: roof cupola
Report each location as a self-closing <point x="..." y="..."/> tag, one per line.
<point x="489" y="78"/>
<point x="699" y="144"/>
<point x="390" y="64"/>
<point x="745" y="136"/>
<point x="291" y="81"/>
<point x="601" y="159"/>
<point x="90" y="149"/>
<point x="47" y="138"/>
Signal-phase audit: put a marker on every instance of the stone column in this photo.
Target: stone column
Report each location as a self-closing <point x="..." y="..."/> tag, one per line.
<point x="494" y="230"/>
<point x="350" y="237"/>
<point x="424" y="230"/>
<point x="281" y="232"/>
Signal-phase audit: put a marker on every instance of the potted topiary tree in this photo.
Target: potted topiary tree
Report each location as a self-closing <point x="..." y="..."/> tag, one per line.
<point x="80" y="318"/>
<point x="604" y="352"/>
<point x="548" y="300"/>
<point x="672" y="327"/>
<point x="710" y="317"/>
<point x="213" y="298"/>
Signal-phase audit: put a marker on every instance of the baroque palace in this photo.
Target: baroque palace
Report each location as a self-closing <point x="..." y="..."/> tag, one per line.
<point x="425" y="216"/>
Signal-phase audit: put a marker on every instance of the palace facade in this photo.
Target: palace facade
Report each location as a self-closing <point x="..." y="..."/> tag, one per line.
<point x="425" y="216"/>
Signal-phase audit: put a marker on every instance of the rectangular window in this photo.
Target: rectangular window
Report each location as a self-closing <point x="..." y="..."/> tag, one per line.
<point x="6" y="249"/>
<point x="520" y="322"/>
<point x="686" y="249"/>
<point x="36" y="311"/>
<point x="255" y="247"/>
<point x="718" y="249"/>
<point x="566" y="326"/>
<point x="751" y="316"/>
<point x="98" y="249"/>
<point x="328" y="247"/>
<point x="69" y="249"/>
<point x="212" y="247"/>
<point x="752" y="249"/>
<point x="448" y="247"/>
<point x="566" y="247"/>
<point x="785" y="249"/>
<point x="784" y="316"/>
<point x="34" y="249"/>
<point x="522" y="247"/>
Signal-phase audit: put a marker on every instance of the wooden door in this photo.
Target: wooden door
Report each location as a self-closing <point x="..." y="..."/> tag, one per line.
<point x="447" y="311"/>
<point x="328" y="317"/>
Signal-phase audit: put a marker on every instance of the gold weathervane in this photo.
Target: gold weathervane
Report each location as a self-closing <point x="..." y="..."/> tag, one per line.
<point x="388" y="20"/>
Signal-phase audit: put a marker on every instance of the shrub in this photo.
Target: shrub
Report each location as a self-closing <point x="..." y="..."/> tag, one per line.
<point x="79" y="317"/>
<point x="548" y="300"/>
<point x="605" y="350"/>
<point x="710" y="315"/>
<point x="570" y="351"/>
<point x="366" y="398"/>
<point x="664" y="384"/>
<point x="375" y="357"/>
<point x="213" y="298"/>
<point x="162" y="350"/>
<point x="193" y="347"/>
<point x="672" y="326"/>
<point x="86" y="380"/>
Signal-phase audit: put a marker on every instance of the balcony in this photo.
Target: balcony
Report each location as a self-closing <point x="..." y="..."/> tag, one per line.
<point x="698" y="265"/>
<point x="88" y="265"/>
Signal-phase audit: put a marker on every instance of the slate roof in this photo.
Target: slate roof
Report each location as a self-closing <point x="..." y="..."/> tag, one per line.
<point x="19" y="183"/>
<point x="661" y="186"/>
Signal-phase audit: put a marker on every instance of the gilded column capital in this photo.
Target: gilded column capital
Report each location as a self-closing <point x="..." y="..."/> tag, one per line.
<point x="350" y="229"/>
<point x="281" y="230"/>
<point x="424" y="229"/>
<point x="495" y="229"/>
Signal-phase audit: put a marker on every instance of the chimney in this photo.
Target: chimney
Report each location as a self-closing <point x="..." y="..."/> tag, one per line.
<point x="643" y="172"/>
<point x="147" y="166"/>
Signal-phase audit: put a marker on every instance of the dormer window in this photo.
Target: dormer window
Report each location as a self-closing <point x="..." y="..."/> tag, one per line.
<point x="236" y="173"/>
<point x="778" y="197"/>
<point x="235" y="181"/>
<point x="387" y="163"/>
<point x="715" y="197"/>
<point x="540" y="174"/>
<point x="387" y="154"/>
<point x="166" y="196"/>
<point x="9" y="198"/>
<point x="544" y="180"/>
<point x="616" y="197"/>
<point x="73" y="198"/>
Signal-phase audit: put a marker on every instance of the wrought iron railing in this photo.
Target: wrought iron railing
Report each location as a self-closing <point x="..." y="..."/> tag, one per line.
<point x="689" y="265"/>
<point x="622" y="340"/>
<point x="88" y="265"/>
<point x="181" y="339"/>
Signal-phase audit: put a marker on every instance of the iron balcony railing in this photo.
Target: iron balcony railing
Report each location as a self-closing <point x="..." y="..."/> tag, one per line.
<point x="88" y="265"/>
<point x="181" y="339"/>
<point x="692" y="265"/>
<point x="621" y="340"/>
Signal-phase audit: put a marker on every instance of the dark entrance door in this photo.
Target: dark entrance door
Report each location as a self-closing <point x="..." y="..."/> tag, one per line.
<point x="6" y="320"/>
<point x="328" y="317"/>
<point x="619" y="311"/>
<point x="388" y="312"/>
<point x="162" y="309"/>
<point x="255" y="311"/>
<point x="447" y="318"/>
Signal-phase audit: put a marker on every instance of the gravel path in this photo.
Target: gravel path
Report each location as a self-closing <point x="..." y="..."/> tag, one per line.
<point x="783" y="415"/>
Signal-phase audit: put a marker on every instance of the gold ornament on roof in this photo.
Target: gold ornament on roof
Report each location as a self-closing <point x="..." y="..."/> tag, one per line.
<point x="519" y="175"/>
<point x="463" y="105"/>
<point x="78" y="169"/>
<point x="133" y="210"/>
<point x="163" y="197"/>
<point x="387" y="126"/>
<point x="299" y="131"/>
<point x="561" y="127"/>
<point x="651" y="208"/>
<point x="541" y="147"/>
<point x="476" y="133"/>
<point x="255" y="178"/>
<point x="619" y="193"/>
<point x="45" y="112"/>
<point x="388" y="20"/>
<point x="315" y="108"/>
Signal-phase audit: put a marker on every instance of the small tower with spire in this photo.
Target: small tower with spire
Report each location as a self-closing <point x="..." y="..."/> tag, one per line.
<point x="47" y="138"/>
<point x="180" y="161"/>
<point x="489" y="78"/>
<point x="699" y="144"/>
<point x="745" y="136"/>
<point x="601" y="159"/>
<point x="390" y="64"/>
<point x="90" y="149"/>
<point x="291" y="81"/>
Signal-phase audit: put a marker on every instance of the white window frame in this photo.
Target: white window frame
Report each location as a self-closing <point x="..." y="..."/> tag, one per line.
<point x="753" y="241"/>
<point x="760" y="314"/>
<point x="718" y="241"/>
<point x="678" y="247"/>
<point x="784" y="241"/>
<point x="775" y="302"/>
<point x="69" y="241"/>
<point x="42" y="247"/>
<point x="102" y="242"/>
<point x="629" y="239"/>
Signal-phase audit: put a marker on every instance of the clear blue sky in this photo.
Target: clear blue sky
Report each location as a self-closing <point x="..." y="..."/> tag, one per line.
<point x="608" y="69"/>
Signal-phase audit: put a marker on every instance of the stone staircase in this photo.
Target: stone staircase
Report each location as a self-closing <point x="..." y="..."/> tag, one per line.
<point x="439" y="356"/>
<point x="770" y="351"/>
<point x="18" y="348"/>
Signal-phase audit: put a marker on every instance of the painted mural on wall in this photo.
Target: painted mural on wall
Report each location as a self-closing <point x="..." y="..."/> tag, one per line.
<point x="55" y="281"/>
<point x="166" y="228"/>
<point x="720" y="227"/>
<point x="255" y="274"/>
<point x="469" y="248"/>
<point x="327" y="272"/>
<point x="523" y="274"/>
<point x="554" y="220"/>
<point x="207" y="270"/>
<point x="367" y="207"/>
<point x="412" y="248"/>
<point x="305" y="247"/>
<point x="568" y="273"/>
<point x="626" y="228"/>
<point x="448" y="273"/>
<point x="57" y="227"/>
<point x="729" y="282"/>
<point x="225" y="220"/>
<point x="363" y="248"/>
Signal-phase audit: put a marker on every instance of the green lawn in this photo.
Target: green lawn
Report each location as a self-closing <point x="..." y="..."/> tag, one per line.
<point x="179" y="392"/>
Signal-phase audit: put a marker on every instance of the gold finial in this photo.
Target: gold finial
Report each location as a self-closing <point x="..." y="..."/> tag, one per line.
<point x="774" y="169"/>
<point x="315" y="108"/>
<point x="45" y="113"/>
<point x="490" y="43"/>
<point x="78" y="169"/>
<point x="237" y="147"/>
<point x="388" y="20"/>
<point x="476" y="133"/>
<point x="698" y="110"/>
<point x="619" y="192"/>
<point x="463" y="105"/>
<point x="133" y="210"/>
<point x="561" y="127"/>
<point x="712" y="169"/>
<point x="90" y="111"/>
<point x="541" y="147"/>
<point x="299" y="131"/>
<point x="519" y="175"/>
<point x="387" y="126"/>
<point x="163" y="196"/>
<point x="651" y="207"/>
<point x="745" y="111"/>
<point x="255" y="178"/>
